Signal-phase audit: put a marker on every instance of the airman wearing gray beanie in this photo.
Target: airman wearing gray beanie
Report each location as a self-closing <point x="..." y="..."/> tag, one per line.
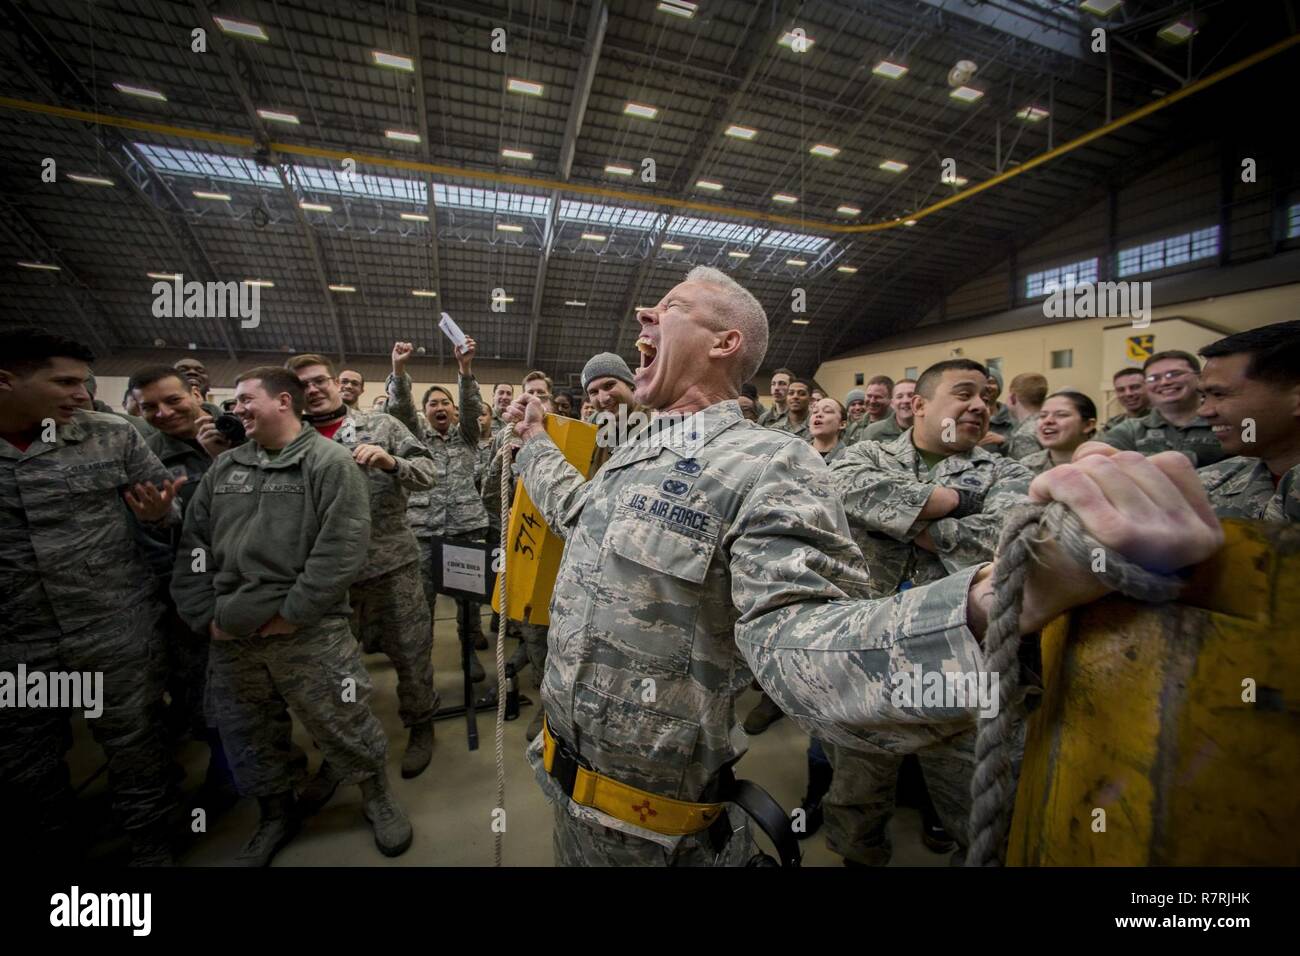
<point x="855" y="395"/>
<point x="606" y="365"/>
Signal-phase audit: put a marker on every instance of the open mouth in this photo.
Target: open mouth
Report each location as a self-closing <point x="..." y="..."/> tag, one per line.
<point x="648" y="351"/>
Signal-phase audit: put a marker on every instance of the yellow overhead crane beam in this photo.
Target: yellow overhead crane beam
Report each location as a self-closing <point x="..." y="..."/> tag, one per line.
<point x="605" y="192"/>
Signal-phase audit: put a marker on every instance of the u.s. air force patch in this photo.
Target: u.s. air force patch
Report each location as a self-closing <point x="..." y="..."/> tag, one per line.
<point x="672" y="515"/>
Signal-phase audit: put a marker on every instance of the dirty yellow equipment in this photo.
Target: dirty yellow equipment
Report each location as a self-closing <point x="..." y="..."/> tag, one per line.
<point x="533" y="555"/>
<point x="1175" y="727"/>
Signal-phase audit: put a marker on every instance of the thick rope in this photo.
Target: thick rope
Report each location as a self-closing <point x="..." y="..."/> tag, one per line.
<point x="993" y="786"/>
<point x="504" y="455"/>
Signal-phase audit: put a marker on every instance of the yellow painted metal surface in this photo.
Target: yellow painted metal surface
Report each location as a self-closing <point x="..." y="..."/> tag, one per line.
<point x="1147" y="717"/>
<point x="533" y="556"/>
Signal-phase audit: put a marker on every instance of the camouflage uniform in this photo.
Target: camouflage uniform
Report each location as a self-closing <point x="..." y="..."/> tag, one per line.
<point x="78" y="595"/>
<point x="1119" y="419"/>
<point x="686" y="535"/>
<point x="1039" y="462"/>
<point x="284" y="535"/>
<point x="1002" y="423"/>
<point x="453" y="510"/>
<point x="1153" y="433"/>
<point x="835" y="454"/>
<point x="884" y="486"/>
<point x="1024" y="440"/>
<point x="1285" y="505"/>
<point x="1242" y="487"/>
<point x="802" y="430"/>
<point x="887" y="429"/>
<point x="773" y="417"/>
<point x="187" y="652"/>
<point x="387" y="598"/>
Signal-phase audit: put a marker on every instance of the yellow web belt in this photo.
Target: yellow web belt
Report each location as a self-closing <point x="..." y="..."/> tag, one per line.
<point x="629" y="804"/>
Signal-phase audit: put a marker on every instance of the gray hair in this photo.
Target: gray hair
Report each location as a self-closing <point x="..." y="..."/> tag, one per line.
<point x="741" y="311"/>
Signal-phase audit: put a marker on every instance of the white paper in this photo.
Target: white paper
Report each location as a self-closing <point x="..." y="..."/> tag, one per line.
<point x="462" y="569"/>
<point x="452" y="330"/>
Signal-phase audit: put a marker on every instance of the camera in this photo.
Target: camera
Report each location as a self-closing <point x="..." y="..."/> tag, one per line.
<point x="231" y="429"/>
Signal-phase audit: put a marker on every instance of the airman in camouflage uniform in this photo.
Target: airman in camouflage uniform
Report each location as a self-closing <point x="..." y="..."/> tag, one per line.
<point x="885" y="488"/>
<point x="389" y="612"/>
<point x="1153" y="433"/>
<point x="283" y="534"/>
<point x="453" y="511"/>
<point x="1247" y="393"/>
<point x="77" y="596"/>
<point x="1024" y="440"/>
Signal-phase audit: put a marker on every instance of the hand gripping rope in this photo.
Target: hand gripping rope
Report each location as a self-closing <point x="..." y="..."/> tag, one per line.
<point x="993" y="787"/>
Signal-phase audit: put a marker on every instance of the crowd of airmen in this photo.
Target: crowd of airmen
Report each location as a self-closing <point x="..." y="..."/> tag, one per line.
<point x="811" y="547"/>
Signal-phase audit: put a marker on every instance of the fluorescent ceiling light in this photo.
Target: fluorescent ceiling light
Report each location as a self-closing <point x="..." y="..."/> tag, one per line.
<point x="516" y="154"/>
<point x="394" y="61"/>
<point x="527" y="87"/>
<point x="847" y="270"/>
<point x="402" y="136"/>
<point x="39" y="265"/>
<point x="614" y="169"/>
<point x="576" y="303"/>
<point x="788" y="41"/>
<point x="673" y="246"/>
<point x="414" y="217"/>
<point x="216" y="197"/>
<point x="740" y="132"/>
<point x="1102" y="8"/>
<point x="800" y="321"/>
<point x="240" y="28"/>
<point x="848" y="210"/>
<point x="708" y="184"/>
<point x="166" y="276"/>
<point x="967" y="94"/>
<point x="909" y="222"/>
<point x="278" y="116"/>
<point x="956" y="181"/>
<point x="316" y="206"/>
<point x="593" y="237"/>
<point x="738" y="255"/>
<point x="260" y="283"/>
<point x="784" y="197"/>
<point x="678" y="8"/>
<point x="893" y="166"/>
<point x="144" y="91"/>
<point x="822" y="149"/>
<point x="503" y="298"/>
<point x="1177" y="32"/>
<point x="509" y="227"/>
<point x="641" y="110"/>
<point x="796" y="262"/>
<point x="424" y="293"/>
<point x="342" y="288"/>
<point x="1033" y="114"/>
<point x="89" y="180"/>
<point x="889" y="69"/>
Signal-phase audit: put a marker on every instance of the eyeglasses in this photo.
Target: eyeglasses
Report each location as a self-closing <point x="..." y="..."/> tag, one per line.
<point x="1169" y="376"/>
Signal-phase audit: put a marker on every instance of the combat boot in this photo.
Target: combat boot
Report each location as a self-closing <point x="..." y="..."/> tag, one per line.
<point x="535" y="725"/>
<point x="278" y="825"/>
<point x="763" y="716"/>
<point x="819" y="784"/>
<point x="393" y="833"/>
<point x="476" y="673"/>
<point x="419" y="750"/>
<point x="319" y="790"/>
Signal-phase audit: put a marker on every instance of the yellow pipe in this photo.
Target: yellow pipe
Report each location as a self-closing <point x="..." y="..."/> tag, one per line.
<point x="605" y="192"/>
